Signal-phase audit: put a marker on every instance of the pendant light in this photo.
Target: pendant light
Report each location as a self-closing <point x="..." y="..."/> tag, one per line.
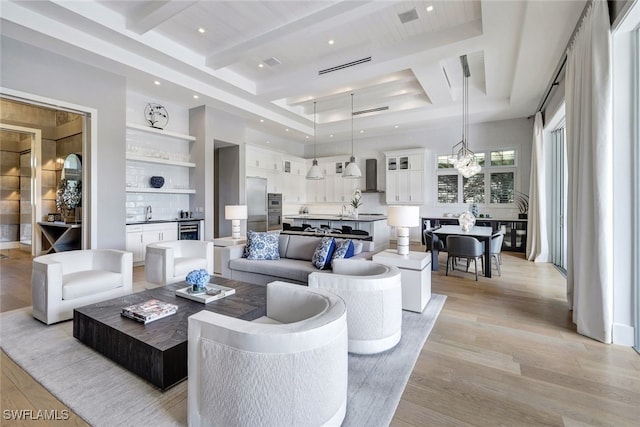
<point x="352" y="170"/>
<point x="314" y="171"/>
<point x="464" y="160"/>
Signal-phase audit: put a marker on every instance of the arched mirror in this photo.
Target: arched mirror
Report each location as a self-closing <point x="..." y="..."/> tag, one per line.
<point x="69" y="194"/>
<point x="72" y="168"/>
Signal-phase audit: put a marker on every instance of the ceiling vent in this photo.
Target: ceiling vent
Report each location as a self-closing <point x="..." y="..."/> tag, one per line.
<point x="347" y="65"/>
<point x="272" y="62"/>
<point x="371" y="110"/>
<point x="408" y="16"/>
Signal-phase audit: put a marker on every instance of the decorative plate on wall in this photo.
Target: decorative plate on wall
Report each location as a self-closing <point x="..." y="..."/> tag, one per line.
<point x="157" y="181"/>
<point x="156" y="115"/>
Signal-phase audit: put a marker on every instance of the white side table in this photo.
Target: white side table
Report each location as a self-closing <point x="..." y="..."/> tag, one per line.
<point x="218" y="244"/>
<point x="415" y="269"/>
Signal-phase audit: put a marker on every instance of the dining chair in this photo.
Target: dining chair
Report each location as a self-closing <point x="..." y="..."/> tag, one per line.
<point x="432" y="241"/>
<point x="464" y="247"/>
<point x="496" y="249"/>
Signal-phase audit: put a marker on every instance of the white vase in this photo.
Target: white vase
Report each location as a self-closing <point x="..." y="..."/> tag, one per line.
<point x="466" y="221"/>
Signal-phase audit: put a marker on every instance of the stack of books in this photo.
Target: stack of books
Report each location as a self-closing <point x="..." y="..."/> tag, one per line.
<point x="149" y="311"/>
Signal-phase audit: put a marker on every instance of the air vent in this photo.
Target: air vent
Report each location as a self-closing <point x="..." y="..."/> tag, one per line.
<point x="371" y="110"/>
<point x="272" y="62"/>
<point x="408" y="16"/>
<point x="347" y="65"/>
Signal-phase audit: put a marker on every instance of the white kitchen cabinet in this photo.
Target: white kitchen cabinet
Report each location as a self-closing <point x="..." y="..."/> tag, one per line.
<point x="140" y="235"/>
<point x="405" y="177"/>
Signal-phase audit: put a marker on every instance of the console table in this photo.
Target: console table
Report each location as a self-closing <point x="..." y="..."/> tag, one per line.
<point x="60" y="237"/>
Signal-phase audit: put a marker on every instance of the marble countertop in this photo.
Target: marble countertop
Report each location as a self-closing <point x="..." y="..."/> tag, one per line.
<point x="346" y="218"/>
<point x="160" y="221"/>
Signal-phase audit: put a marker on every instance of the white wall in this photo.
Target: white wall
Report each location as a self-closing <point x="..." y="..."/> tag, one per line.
<point x="42" y="73"/>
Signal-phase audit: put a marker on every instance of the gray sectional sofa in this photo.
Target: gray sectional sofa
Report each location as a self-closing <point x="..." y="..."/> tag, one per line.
<point x="294" y="265"/>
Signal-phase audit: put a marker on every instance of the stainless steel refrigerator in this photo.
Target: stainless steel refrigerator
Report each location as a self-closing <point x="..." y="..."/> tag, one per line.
<point x="256" y="203"/>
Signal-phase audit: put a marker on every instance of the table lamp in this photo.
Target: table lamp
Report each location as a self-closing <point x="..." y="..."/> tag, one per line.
<point x="403" y="217"/>
<point x="235" y="213"/>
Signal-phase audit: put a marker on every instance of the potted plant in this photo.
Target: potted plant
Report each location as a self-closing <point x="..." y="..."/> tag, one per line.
<point x="522" y="202"/>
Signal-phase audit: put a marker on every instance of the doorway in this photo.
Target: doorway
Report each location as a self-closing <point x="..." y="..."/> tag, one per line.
<point x="35" y="139"/>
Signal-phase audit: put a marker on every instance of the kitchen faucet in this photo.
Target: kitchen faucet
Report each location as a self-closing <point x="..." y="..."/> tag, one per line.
<point x="147" y="212"/>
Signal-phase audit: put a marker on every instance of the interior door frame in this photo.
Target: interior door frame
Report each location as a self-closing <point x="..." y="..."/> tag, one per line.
<point x="34" y="181"/>
<point x="89" y="160"/>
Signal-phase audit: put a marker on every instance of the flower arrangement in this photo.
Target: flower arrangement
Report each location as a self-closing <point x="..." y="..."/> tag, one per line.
<point x="356" y="201"/>
<point x="68" y="196"/>
<point x="198" y="279"/>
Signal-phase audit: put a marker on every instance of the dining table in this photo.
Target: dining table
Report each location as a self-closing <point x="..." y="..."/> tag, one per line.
<point x="483" y="234"/>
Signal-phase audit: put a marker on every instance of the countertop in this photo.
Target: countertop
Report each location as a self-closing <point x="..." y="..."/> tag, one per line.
<point x="338" y="235"/>
<point x="346" y="218"/>
<point x="160" y="221"/>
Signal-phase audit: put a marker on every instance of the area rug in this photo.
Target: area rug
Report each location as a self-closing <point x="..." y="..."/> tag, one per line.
<point x="104" y="394"/>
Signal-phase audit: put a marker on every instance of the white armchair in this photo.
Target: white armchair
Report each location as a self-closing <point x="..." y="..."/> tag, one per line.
<point x="63" y="281"/>
<point x="170" y="262"/>
<point x="373" y="293"/>
<point x="288" y="368"/>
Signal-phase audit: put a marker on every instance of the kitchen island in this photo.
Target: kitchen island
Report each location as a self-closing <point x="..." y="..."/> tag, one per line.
<point x="375" y="225"/>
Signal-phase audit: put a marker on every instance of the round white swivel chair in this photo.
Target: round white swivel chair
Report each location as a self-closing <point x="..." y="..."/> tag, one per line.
<point x="373" y="293"/>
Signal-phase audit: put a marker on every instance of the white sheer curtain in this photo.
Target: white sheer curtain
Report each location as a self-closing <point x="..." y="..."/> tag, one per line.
<point x="590" y="176"/>
<point x="537" y="241"/>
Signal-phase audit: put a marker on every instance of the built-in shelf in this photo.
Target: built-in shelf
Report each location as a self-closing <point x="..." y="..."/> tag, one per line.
<point x="160" y="190"/>
<point x="160" y="161"/>
<point x="160" y="132"/>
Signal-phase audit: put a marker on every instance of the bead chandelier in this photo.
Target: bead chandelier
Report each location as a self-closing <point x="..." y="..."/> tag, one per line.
<point x="462" y="158"/>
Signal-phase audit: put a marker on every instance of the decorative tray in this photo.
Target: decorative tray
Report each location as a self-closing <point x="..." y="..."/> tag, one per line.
<point x="213" y="292"/>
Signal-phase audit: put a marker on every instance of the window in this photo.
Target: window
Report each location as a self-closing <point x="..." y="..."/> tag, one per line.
<point x="495" y="184"/>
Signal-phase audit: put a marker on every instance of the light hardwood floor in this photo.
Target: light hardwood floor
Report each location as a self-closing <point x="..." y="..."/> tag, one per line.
<point x="503" y="352"/>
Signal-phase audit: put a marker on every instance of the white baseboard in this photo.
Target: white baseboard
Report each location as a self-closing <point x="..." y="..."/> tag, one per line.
<point x="9" y="245"/>
<point x="623" y="335"/>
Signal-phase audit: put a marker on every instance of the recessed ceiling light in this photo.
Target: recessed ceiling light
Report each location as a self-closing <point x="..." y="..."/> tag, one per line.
<point x="156" y="82"/>
<point x="268" y="142"/>
<point x="201" y="30"/>
<point x="261" y="65"/>
<point x="331" y="136"/>
<point x="397" y="126"/>
<point x="286" y="130"/>
<point x="195" y="97"/>
<point x="429" y="8"/>
<point x="361" y="131"/>
<point x="307" y="137"/>
<point x="331" y="41"/>
<point x="261" y="120"/>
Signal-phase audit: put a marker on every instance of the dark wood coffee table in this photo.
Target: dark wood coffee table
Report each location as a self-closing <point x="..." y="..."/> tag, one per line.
<point x="157" y="351"/>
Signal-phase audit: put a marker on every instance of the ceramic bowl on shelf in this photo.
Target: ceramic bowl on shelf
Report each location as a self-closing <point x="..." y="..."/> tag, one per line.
<point x="156" y="181"/>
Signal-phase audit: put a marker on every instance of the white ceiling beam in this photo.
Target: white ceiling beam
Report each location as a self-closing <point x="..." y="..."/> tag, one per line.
<point x="155" y="13"/>
<point x="337" y="13"/>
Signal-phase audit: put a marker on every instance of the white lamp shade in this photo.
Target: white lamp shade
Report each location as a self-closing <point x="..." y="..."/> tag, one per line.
<point x="314" y="171"/>
<point x="403" y="216"/>
<point x="235" y="212"/>
<point x="352" y="170"/>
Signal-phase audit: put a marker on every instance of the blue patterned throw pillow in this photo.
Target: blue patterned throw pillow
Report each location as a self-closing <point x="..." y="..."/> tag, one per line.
<point x="262" y="245"/>
<point x="322" y="255"/>
<point x="344" y="249"/>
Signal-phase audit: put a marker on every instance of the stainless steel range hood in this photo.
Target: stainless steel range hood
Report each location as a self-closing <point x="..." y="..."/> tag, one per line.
<point x="371" y="177"/>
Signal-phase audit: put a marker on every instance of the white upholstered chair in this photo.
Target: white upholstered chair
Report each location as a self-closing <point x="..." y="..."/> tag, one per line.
<point x="171" y="261"/>
<point x="373" y="293"/>
<point x="63" y="281"/>
<point x="286" y="369"/>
